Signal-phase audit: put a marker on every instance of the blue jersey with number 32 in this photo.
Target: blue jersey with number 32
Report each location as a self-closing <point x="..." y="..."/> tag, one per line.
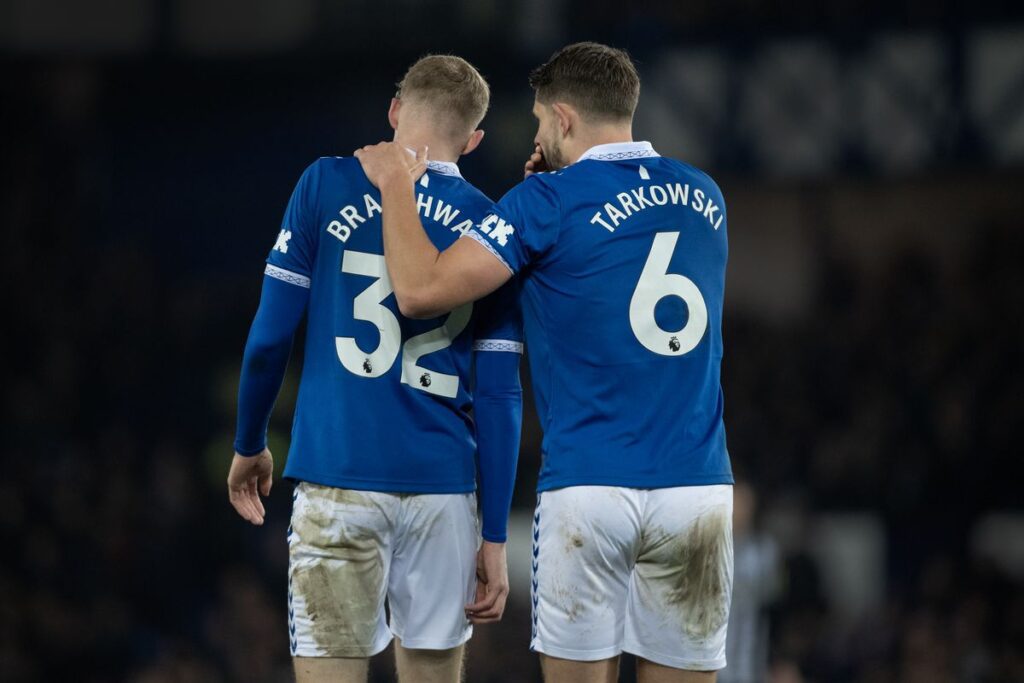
<point x="621" y="258"/>
<point x="383" y="403"/>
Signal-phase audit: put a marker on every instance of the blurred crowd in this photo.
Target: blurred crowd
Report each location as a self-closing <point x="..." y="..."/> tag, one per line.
<point x="897" y="393"/>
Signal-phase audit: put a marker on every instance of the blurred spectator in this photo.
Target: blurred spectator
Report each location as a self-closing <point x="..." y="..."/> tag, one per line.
<point x="755" y="585"/>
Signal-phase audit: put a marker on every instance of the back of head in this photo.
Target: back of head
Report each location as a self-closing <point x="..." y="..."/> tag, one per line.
<point x="599" y="81"/>
<point x="449" y="90"/>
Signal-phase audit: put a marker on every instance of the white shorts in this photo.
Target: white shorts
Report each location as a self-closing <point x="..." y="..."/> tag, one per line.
<point x="349" y="550"/>
<point x="644" y="571"/>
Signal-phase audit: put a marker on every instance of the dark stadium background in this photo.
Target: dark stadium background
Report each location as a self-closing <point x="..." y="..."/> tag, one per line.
<point x="872" y="158"/>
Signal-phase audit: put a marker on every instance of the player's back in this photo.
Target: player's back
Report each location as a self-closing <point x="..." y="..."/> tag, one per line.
<point x="623" y="307"/>
<point x="382" y="401"/>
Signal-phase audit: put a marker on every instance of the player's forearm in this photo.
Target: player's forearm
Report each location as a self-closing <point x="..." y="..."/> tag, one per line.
<point x="412" y="259"/>
<point x="265" y="361"/>
<point x="498" y="409"/>
<point x="498" y="439"/>
<point x="262" y="374"/>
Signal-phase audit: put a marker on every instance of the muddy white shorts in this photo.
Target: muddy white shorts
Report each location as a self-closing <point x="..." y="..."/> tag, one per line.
<point x="350" y="550"/>
<point x="644" y="571"/>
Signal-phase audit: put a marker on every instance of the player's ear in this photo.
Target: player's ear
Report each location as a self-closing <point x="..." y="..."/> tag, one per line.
<point x="565" y="116"/>
<point x="396" y="104"/>
<point x="474" y="141"/>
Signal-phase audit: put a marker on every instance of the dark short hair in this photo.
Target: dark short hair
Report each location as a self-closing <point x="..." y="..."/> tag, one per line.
<point x="599" y="81"/>
<point x="450" y="85"/>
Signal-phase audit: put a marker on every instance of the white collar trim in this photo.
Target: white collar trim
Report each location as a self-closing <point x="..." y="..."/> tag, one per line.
<point x="442" y="167"/>
<point x="620" y="151"/>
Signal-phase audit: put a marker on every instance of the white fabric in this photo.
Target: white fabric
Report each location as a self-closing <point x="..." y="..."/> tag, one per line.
<point x="486" y="244"/>
<point x="349" y="550"/>
<point x="644" y="571"/>
<point x="442" y="167"/>
<point x="619" y="151"/>
<point x="286" y="276"/>
<point x="498" y="345"/>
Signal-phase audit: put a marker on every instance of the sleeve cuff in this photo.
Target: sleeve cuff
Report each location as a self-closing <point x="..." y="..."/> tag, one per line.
<point x="286" y="276"/>
<point x="247" y="452"/>
<point x="486" y="244"/>
<point x="498" y="345"/>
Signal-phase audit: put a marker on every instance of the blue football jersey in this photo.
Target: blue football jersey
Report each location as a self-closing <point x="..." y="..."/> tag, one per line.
<point x="383" y="403"/>
<point x="621" y="258"/>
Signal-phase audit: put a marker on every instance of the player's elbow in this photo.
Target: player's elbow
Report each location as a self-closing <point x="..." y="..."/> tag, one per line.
<point x="418" y="304"/>
<point x="259" y="354"/>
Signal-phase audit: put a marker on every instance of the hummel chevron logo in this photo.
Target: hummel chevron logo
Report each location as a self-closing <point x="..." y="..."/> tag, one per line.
<point x="497" y="229"/>
<point x="282" y="241"/>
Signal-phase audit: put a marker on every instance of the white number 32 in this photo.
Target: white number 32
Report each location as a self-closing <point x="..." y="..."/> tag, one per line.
<point x="368" y="307"/>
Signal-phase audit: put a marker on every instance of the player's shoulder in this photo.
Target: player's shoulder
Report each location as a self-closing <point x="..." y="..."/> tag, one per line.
<point x="337" y="165"/>
<point x="686" y="170"/>
<point x="583" y="175"/>
<point x="536" y="188"/>
<point x="553" y="181"/>
<point x="470" y="194"/>
<point x="332" y="174"/>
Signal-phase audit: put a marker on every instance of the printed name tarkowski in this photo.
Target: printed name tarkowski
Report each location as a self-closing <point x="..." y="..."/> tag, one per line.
<point x="645" y="197"/>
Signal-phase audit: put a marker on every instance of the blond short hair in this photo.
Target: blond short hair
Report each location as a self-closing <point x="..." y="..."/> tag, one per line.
<point x="450" y="87"/>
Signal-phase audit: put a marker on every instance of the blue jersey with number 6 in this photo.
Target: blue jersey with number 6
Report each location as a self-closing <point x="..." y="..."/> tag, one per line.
<point x="383" y="403"/>
<point x="621" y="258"/>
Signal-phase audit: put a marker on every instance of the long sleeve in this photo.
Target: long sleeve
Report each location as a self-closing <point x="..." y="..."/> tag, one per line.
<point x="282" y="306"/>
<point x="498" y="406"/>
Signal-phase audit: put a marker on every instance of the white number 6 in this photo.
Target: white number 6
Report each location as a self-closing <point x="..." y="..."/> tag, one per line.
<point x="655" y="284"/>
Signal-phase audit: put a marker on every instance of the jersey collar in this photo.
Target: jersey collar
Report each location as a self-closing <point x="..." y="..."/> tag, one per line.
<point x="442" y="167"/>
<point x="620" y="151"/>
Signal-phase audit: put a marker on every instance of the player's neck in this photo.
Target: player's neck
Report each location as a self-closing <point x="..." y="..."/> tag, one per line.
<point x="604" y="135"/>
<point x="438" y="150"/>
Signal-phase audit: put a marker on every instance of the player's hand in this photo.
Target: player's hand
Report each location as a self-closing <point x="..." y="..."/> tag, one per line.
<point x="491" y="584"/>
<point x="536" y="163"/>
<point x="250" y="476"/>
<point x="388" y="162"/>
